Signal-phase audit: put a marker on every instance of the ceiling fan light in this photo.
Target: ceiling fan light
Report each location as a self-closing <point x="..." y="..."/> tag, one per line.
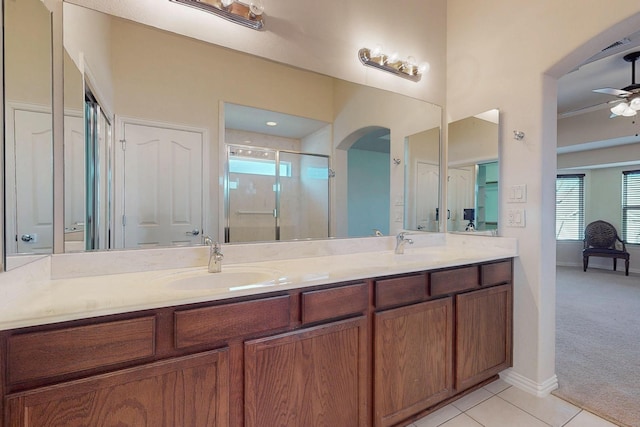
<point x="628" y="112"/>
<point x="635" y="103"/>
<point x="619" y="109"/>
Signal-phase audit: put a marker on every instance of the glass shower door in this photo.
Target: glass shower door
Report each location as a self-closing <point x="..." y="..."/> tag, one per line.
<point x="304" y="196"/>
<point x="251" y="188"/>
<point x="275" y="195"/>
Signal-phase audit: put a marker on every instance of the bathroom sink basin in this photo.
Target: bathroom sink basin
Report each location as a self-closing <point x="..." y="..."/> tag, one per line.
<point x="230" y="278"/>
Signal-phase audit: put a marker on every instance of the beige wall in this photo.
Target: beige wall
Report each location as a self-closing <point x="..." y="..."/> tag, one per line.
<point x="318" y="36"/>
<point x="27" y="37"/>
<point x="509" y="55"/>
<point x="472" y="140"/>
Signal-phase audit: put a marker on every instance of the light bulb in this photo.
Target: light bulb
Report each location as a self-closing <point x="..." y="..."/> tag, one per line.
<point x="376" y="51"/>
<point x="424" y="67"/>
<point x="393" y="57"/>
<point x="619" y="109"/>
<point x="256" y="7"/>
<point x="226" y="3"/>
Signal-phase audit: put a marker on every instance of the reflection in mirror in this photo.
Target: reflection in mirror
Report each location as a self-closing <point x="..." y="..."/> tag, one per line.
<point x="28" y="131"/>
<point x="422" y="180"/>
<point x="472" y="189"/>
<point x="164" y="95"/>
<point x="276" y="176"/>
<point x="368" y="183"/>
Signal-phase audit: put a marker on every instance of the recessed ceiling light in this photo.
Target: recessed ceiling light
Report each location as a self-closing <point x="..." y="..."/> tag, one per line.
<point x="272" y="124"/>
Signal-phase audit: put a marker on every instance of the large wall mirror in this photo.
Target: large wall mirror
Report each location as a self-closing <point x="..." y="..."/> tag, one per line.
<point x="28" y="130"/>
<point x="473" y="173"/>
<point x="151" y="123"/>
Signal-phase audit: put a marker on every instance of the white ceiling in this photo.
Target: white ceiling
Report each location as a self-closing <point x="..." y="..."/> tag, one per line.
<point x="252" y="119"/>
<point x="607" y="69"/>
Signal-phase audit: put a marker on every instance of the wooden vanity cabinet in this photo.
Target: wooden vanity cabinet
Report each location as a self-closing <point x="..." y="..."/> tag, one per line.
<point x="413" y="363"/>
<point x="483" y="334"/>
<point x="378" y="352"/>
<point x="437" y="336"/>
<point x="309" y="377"/>
<point x="315" y="375"/>
<point x="184" y="391"/>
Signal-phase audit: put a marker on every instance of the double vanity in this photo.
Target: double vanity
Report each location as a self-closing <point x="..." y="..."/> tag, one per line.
<point x="309" y="333"/>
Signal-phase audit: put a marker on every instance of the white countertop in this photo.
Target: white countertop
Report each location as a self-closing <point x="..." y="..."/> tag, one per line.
<point x="43" y="294"/>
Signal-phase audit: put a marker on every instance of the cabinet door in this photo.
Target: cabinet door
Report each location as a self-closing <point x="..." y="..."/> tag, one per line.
<point x="413" y="361"/>
<point x="483" y="334"/>
<point x="310" y="377"/>
<point x="187" y="391"/>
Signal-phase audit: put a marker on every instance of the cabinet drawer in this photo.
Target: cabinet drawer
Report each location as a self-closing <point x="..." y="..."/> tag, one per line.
<point x="454" y="280"/>
<point x="497" y="273"/>
<point x="45" y="354"/>
<point x="217" y="324"/>
<point x="332" y="303"/>
<point x="401" y="290"/>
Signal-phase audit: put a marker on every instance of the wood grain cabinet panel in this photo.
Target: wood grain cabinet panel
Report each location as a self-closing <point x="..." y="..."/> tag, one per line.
<point x="496" y="273"/>
<point x="188" y="391"/>
<point x="310" y="377"/>
<point x="400" y="290"/>
<point x="332" y="303"/>
<point x="210" y="325"/>
<point x="413" y="359"/>
<point x="483" y="334"/>
<point x="45" y="354"/>
<point x="447" y="282"/>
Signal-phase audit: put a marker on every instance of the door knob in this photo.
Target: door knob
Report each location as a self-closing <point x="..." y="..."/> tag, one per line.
<point x="193" y="232"/>
<point x="27" y="238"/>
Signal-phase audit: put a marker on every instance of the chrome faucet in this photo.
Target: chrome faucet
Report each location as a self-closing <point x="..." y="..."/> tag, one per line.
<point x="401" y="240"/>
<point x="215" y="256"/>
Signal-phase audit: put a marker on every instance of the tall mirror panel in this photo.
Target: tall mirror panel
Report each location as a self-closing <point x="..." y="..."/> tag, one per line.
<point x="28" y="131"/>
<point x="473" y="173"/>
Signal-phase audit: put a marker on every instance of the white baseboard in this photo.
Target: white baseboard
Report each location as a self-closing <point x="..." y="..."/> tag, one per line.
<point x="523" y="383"/>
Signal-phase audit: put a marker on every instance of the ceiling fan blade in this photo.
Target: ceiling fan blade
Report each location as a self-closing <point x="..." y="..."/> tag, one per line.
<point x="588" y="109"/>
<point x="612" y="91"/>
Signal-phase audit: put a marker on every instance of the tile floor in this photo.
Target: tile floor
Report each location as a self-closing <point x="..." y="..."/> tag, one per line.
<point x="500" y="405"/>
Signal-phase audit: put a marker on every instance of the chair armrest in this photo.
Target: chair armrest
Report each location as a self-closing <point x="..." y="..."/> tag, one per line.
<point x="624" y="248"/>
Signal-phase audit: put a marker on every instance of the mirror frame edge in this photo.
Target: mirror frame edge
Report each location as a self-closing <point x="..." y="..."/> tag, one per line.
<point x="444" y="168"/>
<point x="2" y="150"/>
<point x="57" y="54"/>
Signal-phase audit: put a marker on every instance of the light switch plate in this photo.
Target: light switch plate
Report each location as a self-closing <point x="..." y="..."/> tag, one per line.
<point x="516" y="217"/>
<point x="517" y="193"/>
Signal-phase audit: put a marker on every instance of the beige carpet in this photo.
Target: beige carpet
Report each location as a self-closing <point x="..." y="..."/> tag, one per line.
<point x="598" y="342"/>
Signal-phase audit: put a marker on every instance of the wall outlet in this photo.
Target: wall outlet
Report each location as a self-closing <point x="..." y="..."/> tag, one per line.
<point x="516" y="217"/>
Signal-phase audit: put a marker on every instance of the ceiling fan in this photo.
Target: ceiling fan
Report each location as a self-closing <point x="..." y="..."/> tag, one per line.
<point x="628" y="103"/>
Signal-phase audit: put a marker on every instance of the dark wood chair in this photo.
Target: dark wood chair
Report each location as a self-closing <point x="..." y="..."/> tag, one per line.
<point x="601" y="240"/>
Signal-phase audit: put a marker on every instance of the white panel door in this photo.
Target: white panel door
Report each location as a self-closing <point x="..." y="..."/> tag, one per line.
<point x="460" y="196"/>
<point x="31" y="199"/>
<point x="427" y="190"/>
<point x="162" y="186"/>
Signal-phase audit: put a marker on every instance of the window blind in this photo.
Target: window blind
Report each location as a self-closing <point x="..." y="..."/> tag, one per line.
<point x="631" y="206"/>
<point x="570" y="207"/>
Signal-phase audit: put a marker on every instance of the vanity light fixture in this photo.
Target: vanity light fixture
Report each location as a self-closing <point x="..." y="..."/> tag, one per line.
<point x="250" y="15"/>
<point x="408" y="68"/>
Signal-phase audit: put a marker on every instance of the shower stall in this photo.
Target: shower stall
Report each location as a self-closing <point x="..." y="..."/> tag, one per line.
<point x="273" y="194"/>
